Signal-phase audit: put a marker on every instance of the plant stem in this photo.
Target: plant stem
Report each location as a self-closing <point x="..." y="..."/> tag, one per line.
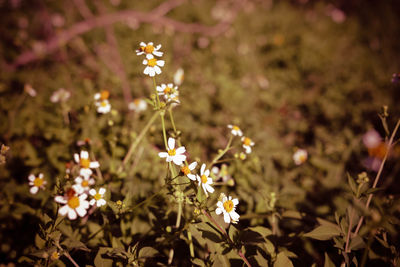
<point x="378" y="175"/>
<point x="137" y="140"/>
<point x="222" y="153"/>
<point x="239" y="251"/>
<point x="346" y="250"/>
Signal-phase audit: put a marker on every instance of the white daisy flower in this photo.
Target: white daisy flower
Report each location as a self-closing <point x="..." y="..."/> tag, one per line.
<point x="175" y="155"/>
<point x="83" y="184"/>
<point x="103" y="106"/>
<point x="36" y="183"/>
<point x="138" y="105"/>
<point x="149" y="49"/>
<point x="152" y="65"/>
<point x="247" y="143"/>
<point x="300" y="156"/>
<point x="204" y="180"/>
<point x="235" y="130"/>
<point x="74" y="204"/>
<point x="178" y="76"/>
<point x="97" y="197"/>
<point x="85" y="163"/>
<point x="169" y="91"/>
<point x="186" y="170"/>
<point x="61" y="95"/>
<point x="227" y="206"/>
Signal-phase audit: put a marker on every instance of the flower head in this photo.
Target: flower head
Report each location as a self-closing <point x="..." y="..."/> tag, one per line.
<point x="186" y="170"/>
<point x="138" y="105"/>
<point x="169" y="91"/>
<point x="97" y="197"/>
<point x="61" y="95"/>
<point x="300" y="156"/>
<point x="82" y="184"/>
<point x="149" y="49"/>
<point x="247" y="143"/>
<point x="178" y="76"/>
<point x="85" y="163"/>
<point x="235" y="130"/>
<point x="227" y="206"/>
<point x="175" y="155"/>
<point x="152" y="65"/>
<point x="74" y="204"/>
<point x="204" y="180"/>
<point x="36" y="183"/>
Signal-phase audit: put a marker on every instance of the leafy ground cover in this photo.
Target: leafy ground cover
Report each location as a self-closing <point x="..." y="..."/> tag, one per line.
<point x="313" y="85"/>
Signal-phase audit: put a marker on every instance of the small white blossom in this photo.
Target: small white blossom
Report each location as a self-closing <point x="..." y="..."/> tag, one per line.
<point x="149" y="49"/>
<point x="179" y="76"/>
<point x="61" y="95"/>
<point x="169" y="91"/>
<point x="227" y="207"/>
<point x="138" y="105"/>
<point x="372" y="139"/>
<point x="235" y="130"/>
<point x="74" y="204"/>
<point x="300" y="156"/>
<point x="186" y="170"/>
<point x="152" y="65"/>
<point x="36" y="183"/>
<point x="85" y="163"/>
<point x="103" y="107"/>
<point x="82" y="184"/>
<point x="204" y="180"/>
<point x="247" y="143"/>
<point x="174" y="155"/>
<point x="97" y="197"/>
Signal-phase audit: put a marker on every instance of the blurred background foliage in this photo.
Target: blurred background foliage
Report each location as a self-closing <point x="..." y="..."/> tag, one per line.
<point x="308" y="74"/>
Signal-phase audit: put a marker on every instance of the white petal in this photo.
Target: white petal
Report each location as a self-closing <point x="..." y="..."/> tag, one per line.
<point x="234" y="215"/>
<point x="209" y="188"/>
<point x="94" y="164"/>
<point x="157" y="69"/>
<point x="81" y="211"/>
<point x="144" y="62"/>
<point x="60" y="199"/>
<point x="220" y="205"/>
<point x="97" y="96"/>
<point x="101" y="202"/>
<point x="159" y="88"/>
<point x="41" y="175"/>
<point x="180" y="150"/>
<point x="92" y="192"/>
<point x="85" y="204"/>
<point x="227" y="219"/>
<point x="163" y="154"/>
<point x="72" y="214"/>
<point x="78" y="180"/>
<point x="191" y="177"/>
<point x="203" y="166"/>
<point x="152" y="73"/>
<point x="178" y="160"/>
<point x="34" y="189"/>
<point x="92" y="202"/>
<point x="84" y="154"/>
<point x="160" y="63"/>
<point x="171" y="143"/>
<point x="192" y="165"/>
<point x="76" y="157"/>
<point x="102" y="191"/>
<point x="31" y="177"/>
<point x="158" y="53"/>
<point x="142" y="44"/>
<point x="85" y="172"/>
<point x="63" y="210"/>
<point x="235" y="201"/>
<point x="82" y="197"/>
<point x="207" y="173"/>
<point x="218" y="211"/>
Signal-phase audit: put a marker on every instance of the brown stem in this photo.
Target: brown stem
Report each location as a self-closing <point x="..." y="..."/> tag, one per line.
<point x="378" y="175"/>
<point x="239" y="251"/>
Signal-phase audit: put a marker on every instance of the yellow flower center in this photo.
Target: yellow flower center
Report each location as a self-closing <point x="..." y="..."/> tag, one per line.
<point x="73" y="202"/>
<point x="152" y="62"/>
<point x="38" y="182"/>
<point x="103" y="104"/>
<point x="55" y="255"/>
<point x="185" y="170"/>
<point x="104" y="95"/>
<point x="247" y="141"/>
<point x="172" y="152"/>
<point x="167" y="90"/>
<point x="137" y="101"/>
<point x="85" y="183"/>
<point x="97" y="196"/>
<point x="85" y="163"/>
<point x="228" y="205"/>
<point x="204" y="179"/>
<point x="148" y="49"/>
<point x="236" y="128"/>
<point x="119" y="202"/>
<point x="302" y="157"/>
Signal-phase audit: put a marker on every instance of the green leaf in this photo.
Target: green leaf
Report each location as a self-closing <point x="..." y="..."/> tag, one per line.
<point x="99" y="261"/>
<point x="147" y="252"/>
<point x="328" y="261"/>
<point x="373" y="190"/>
<point x="39" y="242"/>
<point x="352" y="183"/>
<point x="356" y="243"/>
<point x="323" y="232"/>
<point x="282" y="261"/>
<point x="261" y="260"/>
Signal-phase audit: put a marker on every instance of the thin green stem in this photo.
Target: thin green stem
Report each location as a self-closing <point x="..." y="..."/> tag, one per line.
<point x="222" y="153"/>
<point x="155" y="89"/>
<point x="137" y="140"/>
<point x="172" y="120"/>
